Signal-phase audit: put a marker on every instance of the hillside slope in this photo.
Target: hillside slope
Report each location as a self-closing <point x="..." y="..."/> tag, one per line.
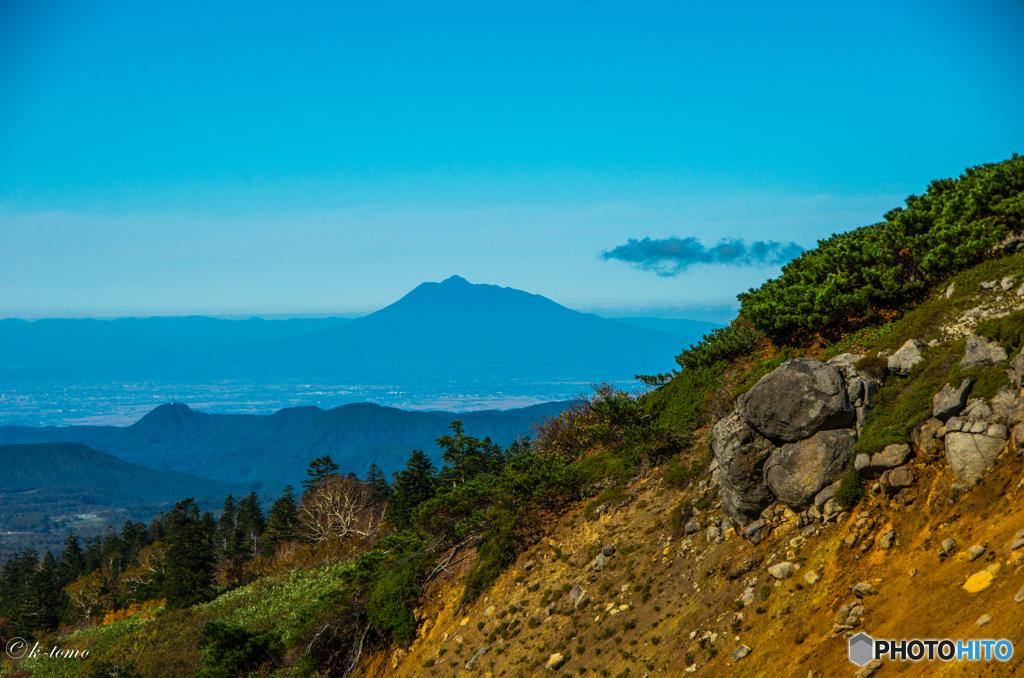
<point x="844" y="458"/>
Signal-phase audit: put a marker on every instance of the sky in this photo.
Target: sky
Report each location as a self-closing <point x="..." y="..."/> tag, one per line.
<point x="171" y="158"/>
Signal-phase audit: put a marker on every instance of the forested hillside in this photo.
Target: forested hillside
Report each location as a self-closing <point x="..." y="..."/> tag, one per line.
<point x="845" y="456"/>
<point x="271" y="451"/>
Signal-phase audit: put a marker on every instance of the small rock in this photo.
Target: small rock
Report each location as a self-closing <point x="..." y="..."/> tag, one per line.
<point x="781" y="570"/>
<point x="897" y="479"/>
<point x="479" y="653"/>
<point x="869" y="670"/>
<point x="948" y="546"/>
<point x="950" y="290"/>
<point x="692" y="526"/>
<point x="981" y="351"/>
<point x="812" y="577"/>
<point x="528" y="566"/>
<point x="555" y="661"/>
<point x="983" y="619"/>
<point x="489" y="611"/>
<point x="975" y="552"/>
<point x="989" y="284"/>
<point x="1019" y="543"/>
<point x="576" y="596"/>
<point x="949" y="401"/>
<point x="1006" y="284"/>
<point x="1019" y="598"/>
<point x="909" y="355"/>
<point x="885" y="541"/>
<point x="756" y="531"/>
<point x="599" y="562"/>
<point x="740" y="652"/>
<point x="862" y="589"/>
<point x="465" y="620"/>
<point x="608" y="551"/>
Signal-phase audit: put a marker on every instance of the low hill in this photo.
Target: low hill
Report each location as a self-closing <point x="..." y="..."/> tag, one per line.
<point x="111" y="480"/>
<point x="274" y="450"/>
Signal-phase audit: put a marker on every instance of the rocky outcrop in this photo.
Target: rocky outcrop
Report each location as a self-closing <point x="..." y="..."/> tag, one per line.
<point x="908" y="355"/>
<point x="980" y="352"/>
<point x="950" y="401"/>
<point x="741" y="453"/>
<point x="860" y="388"/>
<point x="798" y="399"/>
<point x="797" y="472"/>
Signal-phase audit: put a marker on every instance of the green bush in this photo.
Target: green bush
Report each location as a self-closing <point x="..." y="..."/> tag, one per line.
<point x="391" y="601"/>
<point x="874" y="273"/>
<point x="234" y="650"/>
<point x="850" y="490"/>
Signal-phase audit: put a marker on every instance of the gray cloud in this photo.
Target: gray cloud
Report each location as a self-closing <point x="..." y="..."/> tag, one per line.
<point x="670" y="256"/>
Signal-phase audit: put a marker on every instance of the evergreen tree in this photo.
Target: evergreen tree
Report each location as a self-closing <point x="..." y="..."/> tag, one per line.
<point x="73" y="558"/>
<point x="466" y="456"/>
<point x="15" y="579"/>
<point x="190" y="557"/>
<point x="282" y="521"/>
<point x="319" y="468"/>
<point x="229" y="537"/>
<point x="45" y="599"/>
<point x="375" y="479"/>
<point x="251" y="524"/>
<point x="413" y="486"/>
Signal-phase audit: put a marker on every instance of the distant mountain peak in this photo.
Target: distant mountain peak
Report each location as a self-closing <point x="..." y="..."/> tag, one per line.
<point x="456" y="280"/>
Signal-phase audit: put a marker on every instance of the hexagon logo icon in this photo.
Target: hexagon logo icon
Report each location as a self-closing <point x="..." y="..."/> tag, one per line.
<point x="861" y="649"/>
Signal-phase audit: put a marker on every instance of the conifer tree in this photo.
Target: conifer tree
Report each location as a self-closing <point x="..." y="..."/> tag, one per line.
<point x="251" y="524"/>
<point x="413" y="486"/>
<point x="190" y="558"/>
<point x="282" y="521"/>
<point x="375" y="479"/>
<point x="229" y="541"/>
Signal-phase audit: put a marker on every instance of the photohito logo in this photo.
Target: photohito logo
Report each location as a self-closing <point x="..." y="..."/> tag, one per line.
<point x="864" y="649"/>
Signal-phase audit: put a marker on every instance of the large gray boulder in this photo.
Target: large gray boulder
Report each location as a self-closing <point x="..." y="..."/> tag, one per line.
<point x="908" y="355"/>
<point x="980" y="351"/>
<point x="741" y="453"/>
<point x="949" y="401"/>
<point x="972" y="446"/>
<point x="799" y="398"/>
<point x="799" y="471"/>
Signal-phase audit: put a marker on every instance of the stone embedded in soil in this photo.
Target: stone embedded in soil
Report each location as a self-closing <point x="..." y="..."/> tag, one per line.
<point x="479" y="653"/>
<point x="948" y="545"/>
<point x="1019" y="598"/>
<point x="740" y="652"/>
<point x="812" y="577"/>
<point x="908" y="355"/>
<point x="975" y="552"/>
<point x="981" y="351"/>
<point x="555" y="661"/>
<point x="781" y="570"/>
<point x="984" y="619"/>
<point x="862" y="589"/>
<point x="885" y="541"/>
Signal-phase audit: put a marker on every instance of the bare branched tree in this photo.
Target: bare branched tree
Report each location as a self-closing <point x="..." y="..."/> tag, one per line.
<point x="335" y="507"/>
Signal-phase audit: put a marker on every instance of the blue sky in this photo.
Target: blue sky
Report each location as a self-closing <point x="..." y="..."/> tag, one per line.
<point x="237" y="158"/>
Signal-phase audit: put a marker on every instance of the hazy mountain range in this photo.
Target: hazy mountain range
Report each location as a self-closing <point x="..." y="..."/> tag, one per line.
<point x="266" y="452"/>
<point x="437" y="333"/>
